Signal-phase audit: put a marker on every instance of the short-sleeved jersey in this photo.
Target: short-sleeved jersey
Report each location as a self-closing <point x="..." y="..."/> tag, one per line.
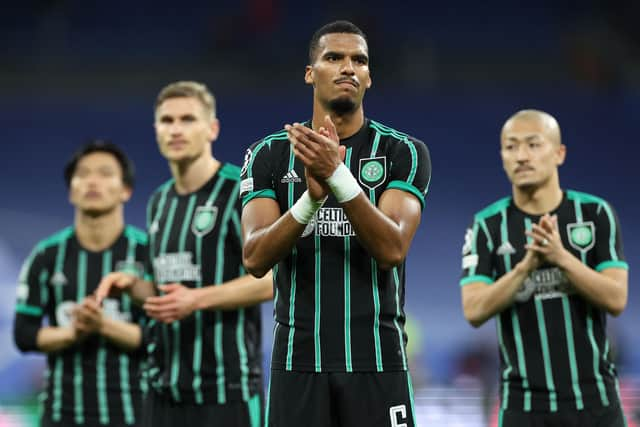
<point x="194" y="239"/>
<point x="554" y="352"/>
<point x="93" y="381"/>
<point x="335" y="309"/>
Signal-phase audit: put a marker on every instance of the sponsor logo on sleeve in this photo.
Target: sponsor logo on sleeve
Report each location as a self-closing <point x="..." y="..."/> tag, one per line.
<point x="466" y="247"/>
<point x="469" y="261"/>
<point x="245" y="164"/>
<point x="22" y="293"/>
<point x="246" y="186"/>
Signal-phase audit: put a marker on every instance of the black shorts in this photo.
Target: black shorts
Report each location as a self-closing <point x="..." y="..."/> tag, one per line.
<point x="161" y="411"/>
<point x="342" y="399"/>
<point x="611" y="416"/>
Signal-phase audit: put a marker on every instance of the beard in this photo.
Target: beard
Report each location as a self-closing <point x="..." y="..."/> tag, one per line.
<point x="342" y="106"/>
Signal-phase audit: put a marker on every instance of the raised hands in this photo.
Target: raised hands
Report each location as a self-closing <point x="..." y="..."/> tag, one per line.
<point x="546" y="241"/>
<point x="87" y="317"/>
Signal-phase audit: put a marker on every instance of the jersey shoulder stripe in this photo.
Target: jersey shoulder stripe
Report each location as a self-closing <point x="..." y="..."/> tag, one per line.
<point x="161" y="188"/>
<point x="135" y="234"/>
<point x="492" y="209"/>
<point x="280" y="135"/>
<point x="585" y="197"/>
<point x="386" y="130"/>
<point x="55" y="239"/>
<point x="258" y="146"/>
<point x="276" y="136"/>
<point x="154" y="198"/>
<point x="230" y="171"/>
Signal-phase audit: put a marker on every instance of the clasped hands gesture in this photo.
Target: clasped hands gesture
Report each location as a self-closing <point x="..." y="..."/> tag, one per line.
<point x="176" y="302"/>
<point x="545" y="244"/>
<point x="320" y="152"/>
<point x="87" y="318"/>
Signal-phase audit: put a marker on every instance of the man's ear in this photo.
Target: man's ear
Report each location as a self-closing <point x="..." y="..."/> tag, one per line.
<point x="562" y="154"/>
<point x="214" y="129"/>
<point x="308" y="75"/>
<point x="126" y="194"/>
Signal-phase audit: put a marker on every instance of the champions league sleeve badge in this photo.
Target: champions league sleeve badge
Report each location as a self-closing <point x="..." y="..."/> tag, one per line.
<point x="245" y="163"/>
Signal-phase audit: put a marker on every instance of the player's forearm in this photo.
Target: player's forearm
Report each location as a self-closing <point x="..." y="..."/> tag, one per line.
<point x="482" y="301"/>
<point x="241" y="292"/>
<point x="608" y="291"/>
<point x="382" y="237"/>
<point x="54" y="338"/>
<point x="124" y="335"/>
<point x="265" y="247"/>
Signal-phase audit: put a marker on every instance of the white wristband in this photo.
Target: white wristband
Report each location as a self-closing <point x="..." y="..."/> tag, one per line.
<point x="305" y="208"/>
<point x="343" y="184"/>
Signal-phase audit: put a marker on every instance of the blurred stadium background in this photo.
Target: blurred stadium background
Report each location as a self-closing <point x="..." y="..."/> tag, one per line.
<point x="448" y="73"/>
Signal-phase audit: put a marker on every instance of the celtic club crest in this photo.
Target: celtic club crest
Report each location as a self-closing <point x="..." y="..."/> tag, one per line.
<point x="203" y="220"/>
<point x="373" y="172"/>
<point x="582" y="236"/>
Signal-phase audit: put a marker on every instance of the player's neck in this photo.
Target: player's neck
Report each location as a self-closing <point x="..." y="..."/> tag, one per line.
<point x="538" y="200"/>
<point x="192" y="175"/>
<point x="97" y="233"/>
<point x="346" y="124"/>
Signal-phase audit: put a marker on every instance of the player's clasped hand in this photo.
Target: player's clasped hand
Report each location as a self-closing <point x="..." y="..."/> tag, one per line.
<point x="320" y="152"/>
<point x="546" y="239"/>
<point x="177" y="303"/>
<point x="87" y="317"/>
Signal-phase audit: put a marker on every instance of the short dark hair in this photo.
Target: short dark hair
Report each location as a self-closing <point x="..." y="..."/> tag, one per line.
<point x="332" y="28"/>
<point x="103" y="146"/>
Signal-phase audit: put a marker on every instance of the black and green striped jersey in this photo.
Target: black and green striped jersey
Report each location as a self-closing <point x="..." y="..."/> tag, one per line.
<point x="194" y="239"/>
<point x="554" y="352"/>
<point x="335" y="309"/>
<point x="93" y="382"/>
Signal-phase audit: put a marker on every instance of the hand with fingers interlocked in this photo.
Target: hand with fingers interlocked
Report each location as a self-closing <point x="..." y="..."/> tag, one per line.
<point x="87" y="317"/>
<point x="320" y="152"/>
<point x="546" y="241"/>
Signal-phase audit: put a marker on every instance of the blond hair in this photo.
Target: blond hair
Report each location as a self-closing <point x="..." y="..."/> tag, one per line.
<point x="189" y="89"/>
